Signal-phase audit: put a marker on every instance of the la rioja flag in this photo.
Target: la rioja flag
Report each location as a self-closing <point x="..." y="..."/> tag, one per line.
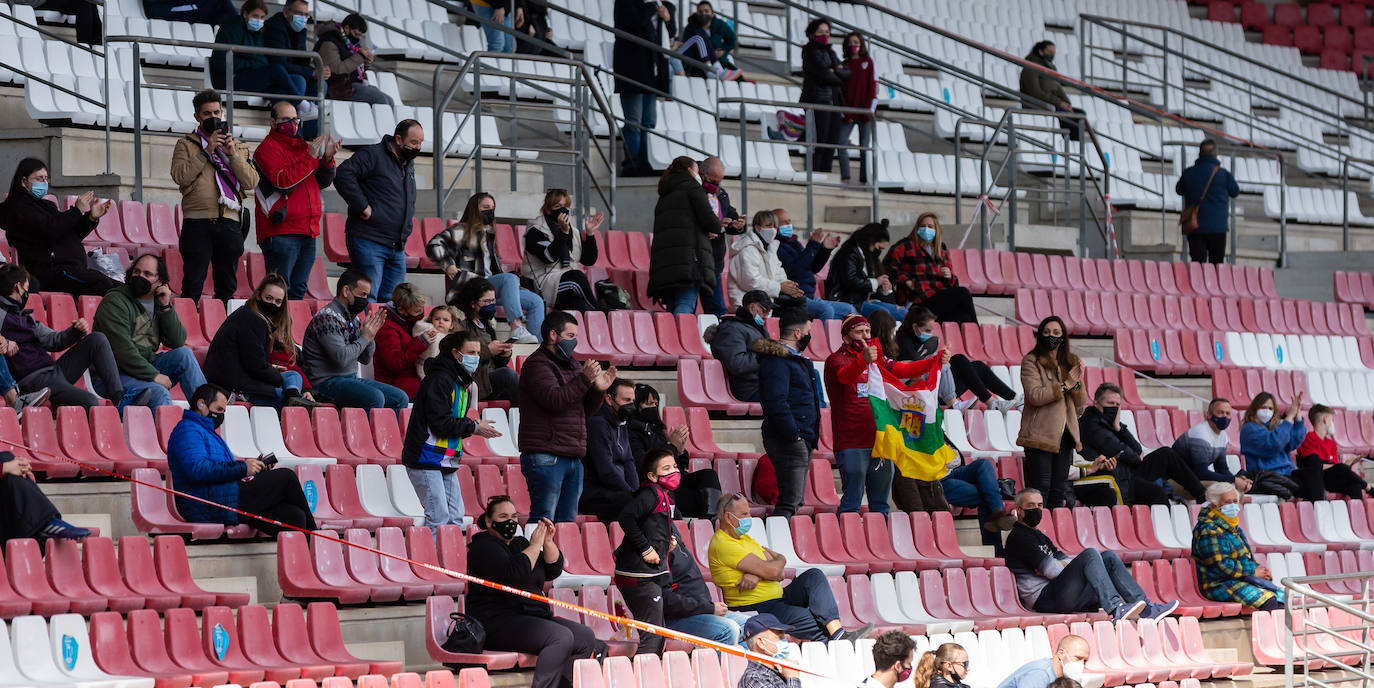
<point x="908" y="422"/>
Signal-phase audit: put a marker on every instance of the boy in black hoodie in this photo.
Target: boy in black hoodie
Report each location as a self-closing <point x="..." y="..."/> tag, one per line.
<point x="641" y="560"/>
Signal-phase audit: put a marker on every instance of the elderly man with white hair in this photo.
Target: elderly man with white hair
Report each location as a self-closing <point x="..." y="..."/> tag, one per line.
<point x="1226" y="568"/>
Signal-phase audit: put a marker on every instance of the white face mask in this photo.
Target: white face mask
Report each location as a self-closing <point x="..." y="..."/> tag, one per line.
<point x="1074" y="670"/>
<point x="1265" y="415"/>
<point x="768" y="234"/>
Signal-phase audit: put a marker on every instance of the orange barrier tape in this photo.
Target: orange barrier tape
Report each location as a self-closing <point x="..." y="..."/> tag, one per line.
<point x="618" y="620"/>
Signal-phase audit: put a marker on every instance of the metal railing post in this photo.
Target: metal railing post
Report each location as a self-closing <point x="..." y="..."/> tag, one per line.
<point x="440" y="146"/>
<point x="477" y="123"/>
<point x="958" y="191"/>
<point x="1283" y="216"/>
<point x="811" y="125"/>
<point x="138" y="117"/>
<point x="1345" y="203"/>
<point x="743" y="159"/>
<point x="1011" y="188"/>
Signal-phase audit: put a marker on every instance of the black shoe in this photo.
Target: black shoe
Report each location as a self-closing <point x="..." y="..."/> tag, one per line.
<point x="143" y="399"/>
<point x="302" y="402"/>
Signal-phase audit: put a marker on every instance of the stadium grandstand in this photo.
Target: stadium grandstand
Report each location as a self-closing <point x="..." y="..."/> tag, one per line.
<point x="729" y="233"/>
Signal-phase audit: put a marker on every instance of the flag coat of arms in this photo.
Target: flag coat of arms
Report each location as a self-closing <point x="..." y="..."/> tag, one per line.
<point x="908" y="423"/>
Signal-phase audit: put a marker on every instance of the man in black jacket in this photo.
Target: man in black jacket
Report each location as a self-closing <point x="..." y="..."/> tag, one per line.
<point x="1137" y="477"/>
<point x="732" y="343"/>
<point x="788" y="392"/>
<point x="378" y="184"/>
<point x="640" y="71"/>
<point x="687" y="603"/>
<point x="610" y="473"/>
<point x="712" y="174"/>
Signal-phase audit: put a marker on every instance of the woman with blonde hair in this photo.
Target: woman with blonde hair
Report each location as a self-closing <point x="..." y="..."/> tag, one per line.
<point x="398" y="348"/>
<point x="552" y="249"/>
<point x="241" y="360"/>
<point x="919" y="268"/>
<point x="467" y="249"/>
<point x="944" y="667"/>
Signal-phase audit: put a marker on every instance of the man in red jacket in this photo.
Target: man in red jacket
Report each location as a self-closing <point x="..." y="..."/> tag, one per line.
<point x="288" y="210"/>
<point x="846" y="384"/>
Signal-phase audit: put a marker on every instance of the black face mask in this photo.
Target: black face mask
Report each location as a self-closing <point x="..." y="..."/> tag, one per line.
<point x="625" y="412"/>
<point x="488" y="217"/>
<point x="1109" y="412"/>
<point x="650" y="415"/>
<point x="506" y="529"/>
<point x="217" y="418"/>
<point x="406" y="154"/>
<point x="139" y="286"/>
<point x="1031" y="517"/>
<point x="556" y="217"/>
<point x="269" y="309"/>
<point x="1049" y="343"/>
<point x="358" y="306"/>
<point x="803" y="343"/>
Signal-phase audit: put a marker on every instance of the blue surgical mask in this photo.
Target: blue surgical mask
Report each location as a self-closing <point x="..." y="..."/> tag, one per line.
<point x="924" y="336"/>
<point x="758" y="321"/>
<point x="785" y="231"/>
<point x="255" y="25"/>
<point x="39" y="189"/>
<point x="470" y="362"/>
<point x="1230" y="510"/>
<point x="926" y="233"/>
<point x="743" y="527"/>
<point x="298" y="22"/>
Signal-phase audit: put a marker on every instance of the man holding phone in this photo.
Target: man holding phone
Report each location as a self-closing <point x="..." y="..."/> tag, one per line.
<point x="213" y="173"/>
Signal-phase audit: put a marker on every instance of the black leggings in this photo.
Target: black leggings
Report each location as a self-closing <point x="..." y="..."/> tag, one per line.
<point x="954" y="304"/>
<point x="24" y="509"/>
<point x="978" y="377"/>
<point x="276" y="494"/>
<point x="556" y="641"/>
<point x="575" y="293"/>
<point x="644" y="597"/>
<point x="1161" y="463"/>
<point x="1316" y="478"/>
<point x="1048" y="472"/>
<point x="827" y="131"/>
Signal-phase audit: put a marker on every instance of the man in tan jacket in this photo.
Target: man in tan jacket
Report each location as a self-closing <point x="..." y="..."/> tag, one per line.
<point x="215" y="178"/>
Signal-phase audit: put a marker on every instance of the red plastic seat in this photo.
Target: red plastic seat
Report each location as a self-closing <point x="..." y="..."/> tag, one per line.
<point x="24" y="563"/>
<point x="221" y="636"/>
<point x="327" y="639"/>
<point x="327" y="433"/>
<point x="111" y="652"/>
<point x="391" y="541"/>
<point x="293" y="642"/>
<point x="196" y="649"/>
<point x="335" y="245"/>
<point x="174" y="570"/>
<point x="255" y="639"/>
<point x="437" y="610"/>
<point x="841" y="549"/>
<point x="1254" y="16"/>
<point x="1307" y="39"/>
<point x="420" y="544"/>
<point x="296" y="573"/>
<point x="149" y="648"/>
<point x="352" y="567"/>
<point x="360" y="438"/>
<point x="820" y="487"/>
<point x="1221" y="11"/>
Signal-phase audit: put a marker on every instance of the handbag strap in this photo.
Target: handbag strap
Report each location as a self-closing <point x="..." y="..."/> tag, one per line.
<point x="1208" y="186"/>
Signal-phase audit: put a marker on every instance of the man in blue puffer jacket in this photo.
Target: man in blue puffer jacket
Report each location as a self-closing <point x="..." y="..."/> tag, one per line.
<point x="202" y="466"/>
<point x="789" y="393"/>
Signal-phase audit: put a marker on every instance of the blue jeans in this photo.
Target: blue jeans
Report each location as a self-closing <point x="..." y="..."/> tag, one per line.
<point x="497" y="41"/>
<point x="555" y="485"/>
<point x="869" y="307"/>
<point x="974" y="484"/>
<point x="820" y="309"/>
<point x="807" y="605"/>
<point x="440" y="494"/>
<point x="384" y="266"/>
<point x="685" y="301"/>
<point x="1093" y="580"/>
<point x="714" y="303"/>
<point x="179" y="364"/>
<point x="270" y="79"/>
<point x="293" y="257"/>
<point x="7" y="382"/>
<point x="517" y="302"/>
<point x="860" y="469"/>
<point x="641" y="109"/>
<point x="290" y="379"/>
<point x="351" y="391"/>
<point x="724" y="629"/>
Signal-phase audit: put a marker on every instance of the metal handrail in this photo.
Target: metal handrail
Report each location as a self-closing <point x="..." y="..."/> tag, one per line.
<point x="1299" y="588"/>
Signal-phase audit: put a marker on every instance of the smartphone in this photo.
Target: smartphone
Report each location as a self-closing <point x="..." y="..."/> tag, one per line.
<point x="269" y="460"/>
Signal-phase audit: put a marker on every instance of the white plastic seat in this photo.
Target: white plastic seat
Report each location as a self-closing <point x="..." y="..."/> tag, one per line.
<point x="374" y="493"/>
<point x="267" y="435"/>
<point x="1274" y="523"/>
<point x="33" y="657"/>
<point x="955" y="432"/>
<point x="403" y="494"/>
<point x="779" y="533"/>
<point x="1164" y="526"/>
<point x="909" y="595"/>
<point x="237" y="432"/>
<point x="71" y="645"/>
<point x="505" y="444"/>
<point x="1183" y="524"/>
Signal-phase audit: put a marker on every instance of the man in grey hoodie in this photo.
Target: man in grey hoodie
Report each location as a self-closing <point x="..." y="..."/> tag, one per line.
<point x="335" y="343"/>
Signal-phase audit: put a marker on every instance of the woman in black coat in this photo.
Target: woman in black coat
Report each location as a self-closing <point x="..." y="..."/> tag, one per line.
<point x="856" y="275"/>
<point x="823" y="80"/>
<point x="681" y="264"/>
<point x="519" y="624"/>
<point x="237" y="359"/>
<point x="696" y="497"/>
<point x="48" y="241"/>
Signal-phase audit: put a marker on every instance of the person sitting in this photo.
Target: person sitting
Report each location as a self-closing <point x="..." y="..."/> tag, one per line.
<point x="732" y="343"/>
<point x="520" y="624"/>
<point x="611" y="473"/>
<point x="1043" y="90"/>
<point x="1267" y="441"/>
<point x="30" y="343"/>
<point x="13" y="398"/>
<point x="749" y="576"/>
<point x="398" y="349"/>
<point x="467" y="249"/>
<point x="696" y="497"/>
<point x="765" y="634"/>
<point x="25" y="512"/>
<point x="641" y="560"/>
<point x="944" y="667"/>
<point x="552" y="248"/>
<point x="138" y="318"/>
<point x="918" y="338"/>
<point x="894" y="661"/>
<point x="445" y="412"/>
<point x="238" y="357"/>
<point x="919" y="267"/>
<point x="801" y="263"/>
<point x="696" y="45"/>
<point x="1203" y="446"/>
<point x="48" y="241"/>
<point x="1066" y="662"/>
<point x="252" y="71"/>
<point x="1137" y="477"/>
<point x="201" y="465"/>
<point x="1226" y="568"/>
<point x="1320" y="463"/>
<point x="347" y="56"/>
<point x="1049" y="583"/>
<point x="335" y="343"/>
<point x="442" y="320"/>
<point x="286" y="30"/>
<point x="754" y="264"/>
<point x="496" y="377"/>
<point x="687" y="603"/>
<point x="856" y="276"/>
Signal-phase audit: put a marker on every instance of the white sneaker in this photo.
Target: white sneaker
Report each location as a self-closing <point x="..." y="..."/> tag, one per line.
<point x="305" y="107"/>
<point x="522" y="335"/>
<point x="1000" y="404"/>
<point x="35" y="398"/>
<point x="964" y="404"/>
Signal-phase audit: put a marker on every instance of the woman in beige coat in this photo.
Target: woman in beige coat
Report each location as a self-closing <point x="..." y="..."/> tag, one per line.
<point x="1052" y="378"/>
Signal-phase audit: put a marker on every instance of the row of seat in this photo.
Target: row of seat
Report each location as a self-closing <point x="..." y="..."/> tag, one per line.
<point x="1196" y="352"/>
<point x="992" y="271"/>
<point x="1338" y="389"/>
<point x="1354" y="287"/>
<point x="355" y="574"/>
<point x="471" y="677"/>
<point x="1098" y="313"/>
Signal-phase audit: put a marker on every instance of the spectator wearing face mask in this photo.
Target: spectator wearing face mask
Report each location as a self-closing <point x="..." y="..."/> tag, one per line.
<point x="239" y="357"/>
<point x="1267" y="441"/>
<point x="917" y="339"/>
<point x="336" y="342"/>
<point x="1044" y="90"/>
<point x="731" y="225"/>
<point x="766" y="635"/>
<point x="289" y="205"/>
<point x="1137" y="474"/>
<point x="286" y="30"/>
<point x="1203" y="446"/>
<point x="398" y="349"/>
<point x="919" y="268"/>
<point x="1226" y="568"/>
<point x="552" y="249"/>
<point x="345" y="53"/>
<point x="1321" y="464"/>
<point x="253" y="72"/>
<point x="1052" y="377"/>
<point x="733" y="339"/>
<point x="754" y="264"/>
<point x="378" y="184"/>
<point x="496" y="377"/>
<point x="48" y="241"/>
<point x="696" y="496"/>
<point x="641" y="560"/>
<point x="610" y="470"/>
<point x="1066" y="662"/>
<point x="860" y="91"/>
<point x="944" y="667"/>
<point x="856" y="275"/>
<point x="802" y="262"/>
<point x="444" y="414"/>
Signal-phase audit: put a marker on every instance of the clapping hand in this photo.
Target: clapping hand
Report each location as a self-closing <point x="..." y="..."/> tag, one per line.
<point x="487" y="429"/>
<point x="603" y="382"/>
<point x="374" y="323"/>
<point x="678" y="437"/>
<point x="1075" y="374"/>
<point x="592" y="370"/>
<point x="85" y="203"/>
<point x="331" y="147"/>
<point x="790" y="288"/>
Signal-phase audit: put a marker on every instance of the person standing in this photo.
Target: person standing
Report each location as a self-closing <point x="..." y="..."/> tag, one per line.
<point x="681" y="263"/>
<point x="640" y="73"/>
<point x="557" y="395"/>
<point x="335" y="343"/>
<point x="48" y="241"/>
<point x="1052" y="380"/>
<point x="860" y="91"/>
<point x="641" y="560"/>
<point x="791" y="407"/>
<point x="731" y="224"/>
<point x="214" y="176"/>
<point x="378" y="184"/>
<point x="851" y="416"/>
<point x="823" y="77"/>
<point x="289" y="206"/>
<point x="503" y="12"/>
<point x="1208" y="187"/>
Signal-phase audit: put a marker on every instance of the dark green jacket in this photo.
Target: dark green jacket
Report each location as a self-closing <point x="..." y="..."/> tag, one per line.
<point x="681" y="255"/>
<point x="235" y="32"/>
<point x="134" y="335"/>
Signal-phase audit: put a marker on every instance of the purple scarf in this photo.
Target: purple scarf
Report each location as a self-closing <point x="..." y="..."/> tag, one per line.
<point x="224" y="177"/>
